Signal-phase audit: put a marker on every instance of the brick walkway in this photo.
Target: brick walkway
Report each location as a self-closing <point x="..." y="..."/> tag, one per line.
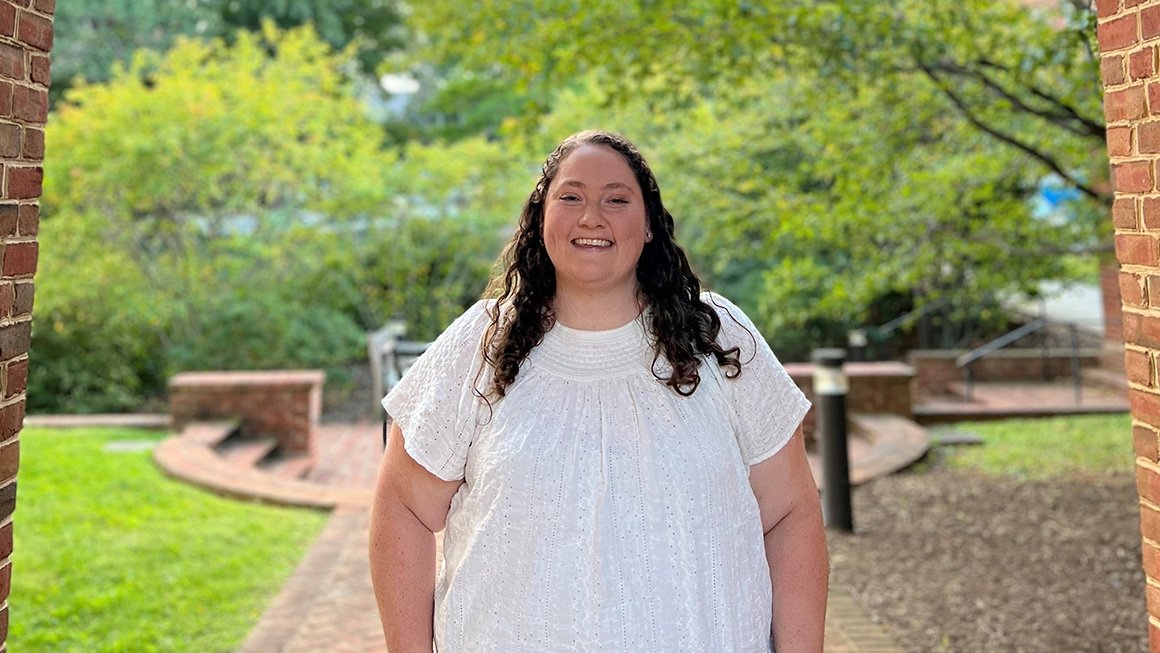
<point x="328" y="605"/>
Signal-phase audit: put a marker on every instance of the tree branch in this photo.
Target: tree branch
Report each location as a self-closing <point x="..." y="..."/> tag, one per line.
<point x="1007" y="138"/>
<point x="1063" y="115"/>
<point x="1038" y="92"/>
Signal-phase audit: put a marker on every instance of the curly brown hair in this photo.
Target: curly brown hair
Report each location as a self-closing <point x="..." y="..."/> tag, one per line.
<point x="685" y="327"/>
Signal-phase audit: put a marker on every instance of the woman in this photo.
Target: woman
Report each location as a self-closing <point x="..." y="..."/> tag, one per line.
<point x="617" y="458"/>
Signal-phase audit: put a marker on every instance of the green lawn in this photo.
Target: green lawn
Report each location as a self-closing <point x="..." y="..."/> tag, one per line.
<point x="111" y="555"/>
<point x="1047" y="448"/>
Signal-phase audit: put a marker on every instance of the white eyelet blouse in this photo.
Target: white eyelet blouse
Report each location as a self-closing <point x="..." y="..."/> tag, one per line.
<point x="600" y="510"/>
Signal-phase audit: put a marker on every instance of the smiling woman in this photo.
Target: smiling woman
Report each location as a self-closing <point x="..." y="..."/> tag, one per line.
<point x="630" y="438"/>
<point x="595" y="228"/>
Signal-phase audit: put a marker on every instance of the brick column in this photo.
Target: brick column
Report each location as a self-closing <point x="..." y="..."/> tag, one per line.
<point x="1129" y="34"/>
<point x="25" y="42"/>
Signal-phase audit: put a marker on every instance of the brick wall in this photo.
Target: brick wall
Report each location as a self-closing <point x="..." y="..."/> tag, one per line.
<point x="935" y="371"/>
<point x="1112" y="297"/>
<point x="283" y="404"/>
<point x="878" y="387"/>
<point x="25" y="41"/>
<point x="1129" y="34"/>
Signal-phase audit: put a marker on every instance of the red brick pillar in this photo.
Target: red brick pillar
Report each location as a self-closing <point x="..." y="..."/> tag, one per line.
<point x="1111" y="294"/>
<point x="25" y="42"/>
<point x="1129" y="34"/>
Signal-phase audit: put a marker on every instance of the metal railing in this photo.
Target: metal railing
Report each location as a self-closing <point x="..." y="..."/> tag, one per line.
<point x="861" y="341"/>
<point x="390" y="356"/>
<point x="1038" y="325"/>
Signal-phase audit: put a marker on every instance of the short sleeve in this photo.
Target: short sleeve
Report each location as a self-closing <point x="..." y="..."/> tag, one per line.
<point x="434" y="403"/>
<point x="766" y="406"/>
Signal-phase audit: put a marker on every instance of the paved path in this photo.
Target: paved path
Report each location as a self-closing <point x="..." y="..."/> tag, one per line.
<point x="328" y="606"/>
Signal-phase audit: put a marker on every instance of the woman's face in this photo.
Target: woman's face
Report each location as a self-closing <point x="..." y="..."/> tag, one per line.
<point x="595" y="222"/>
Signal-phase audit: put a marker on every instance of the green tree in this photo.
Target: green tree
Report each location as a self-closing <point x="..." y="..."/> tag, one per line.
<point x="92" y="35"/>
<point x="231" y="206"/>
<point x="374" y="27"/>
<point x="812" y="213"/>
<point x="827" y="154"/>
<point x="1028" y="79"/>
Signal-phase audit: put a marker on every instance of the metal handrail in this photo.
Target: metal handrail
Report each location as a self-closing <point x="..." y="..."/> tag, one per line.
<point x="1000" y="342"/>
<point x="970" y="358"/>
<point x="859" y="339"/>
<point x="905" y="318"/>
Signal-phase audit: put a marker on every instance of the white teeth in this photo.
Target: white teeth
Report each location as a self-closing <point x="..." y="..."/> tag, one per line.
<point x="594" y="242"/>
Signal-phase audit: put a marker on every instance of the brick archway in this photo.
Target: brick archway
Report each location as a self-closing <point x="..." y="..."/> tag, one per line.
<point x="26" y="33"/>
<point x="1129" y="40"/>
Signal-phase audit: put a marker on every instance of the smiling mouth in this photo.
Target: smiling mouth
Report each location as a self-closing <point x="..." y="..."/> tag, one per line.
<point x="592" y="242"/>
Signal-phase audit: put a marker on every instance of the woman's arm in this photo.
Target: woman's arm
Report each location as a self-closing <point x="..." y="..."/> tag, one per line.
<point x="795" y="547"/>
<point x="410" y="506"/>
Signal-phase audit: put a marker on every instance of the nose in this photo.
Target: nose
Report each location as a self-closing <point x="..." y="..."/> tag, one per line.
<point x="592" y="216"/>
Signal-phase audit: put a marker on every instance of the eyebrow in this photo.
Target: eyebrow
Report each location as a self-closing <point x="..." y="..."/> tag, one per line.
<point x="615" y="184"/>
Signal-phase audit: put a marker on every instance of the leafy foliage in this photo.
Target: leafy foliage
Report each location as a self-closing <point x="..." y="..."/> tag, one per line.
<point x="233" y="207"/>
<point x="93" y="35"/>
<point x="373" y="27"/>
<point x="823" y="156"/>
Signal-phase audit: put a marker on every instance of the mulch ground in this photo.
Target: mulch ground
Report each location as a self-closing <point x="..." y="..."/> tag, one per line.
<point x="950" y="560"/>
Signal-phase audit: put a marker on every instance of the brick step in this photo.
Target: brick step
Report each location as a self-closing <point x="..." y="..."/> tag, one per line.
<point x="288" y="466"/>
<point x="191" y="462"/>
<point x="246" y="452"/>
<point x="988" y="392"/>
<point x="210" y="434"/>
<point x="946" y="413"/>
<point x="1112" y="357"/>
<point x="1111" y="379"/>
<point x="958" y="390"/>
<point x="878" y="444"/>
<point x="895" y="443"/>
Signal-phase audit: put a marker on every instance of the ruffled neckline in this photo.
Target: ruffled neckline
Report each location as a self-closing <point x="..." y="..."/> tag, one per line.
<point x="590" y="355"/>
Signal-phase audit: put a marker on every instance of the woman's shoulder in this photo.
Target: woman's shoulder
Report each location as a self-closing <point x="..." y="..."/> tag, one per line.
<point x="468" y="327"/>
<point x="725" y="308"/>
<point x="736" y="327"/>
<point x="718" y="301"/>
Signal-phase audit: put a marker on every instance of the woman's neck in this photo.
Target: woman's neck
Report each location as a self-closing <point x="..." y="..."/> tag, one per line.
<point x="596" y="311"/>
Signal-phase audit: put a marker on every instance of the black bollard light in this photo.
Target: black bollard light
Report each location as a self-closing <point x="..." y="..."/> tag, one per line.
<point x="857" y="341"/>
<point x="830" y="389"/>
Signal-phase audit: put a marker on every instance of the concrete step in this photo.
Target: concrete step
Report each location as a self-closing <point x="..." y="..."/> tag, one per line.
<point x="210" y="434"/>
<point x="159" y="421"/>
<point x="246" y="452"/>
<point x="288" y="466"/>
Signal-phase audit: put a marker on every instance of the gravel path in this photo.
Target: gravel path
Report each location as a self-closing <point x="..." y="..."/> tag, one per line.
<point x="950" y="560"/>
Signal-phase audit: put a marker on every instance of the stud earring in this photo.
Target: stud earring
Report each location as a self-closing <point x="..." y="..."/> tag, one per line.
<point x="647" y="236"/>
